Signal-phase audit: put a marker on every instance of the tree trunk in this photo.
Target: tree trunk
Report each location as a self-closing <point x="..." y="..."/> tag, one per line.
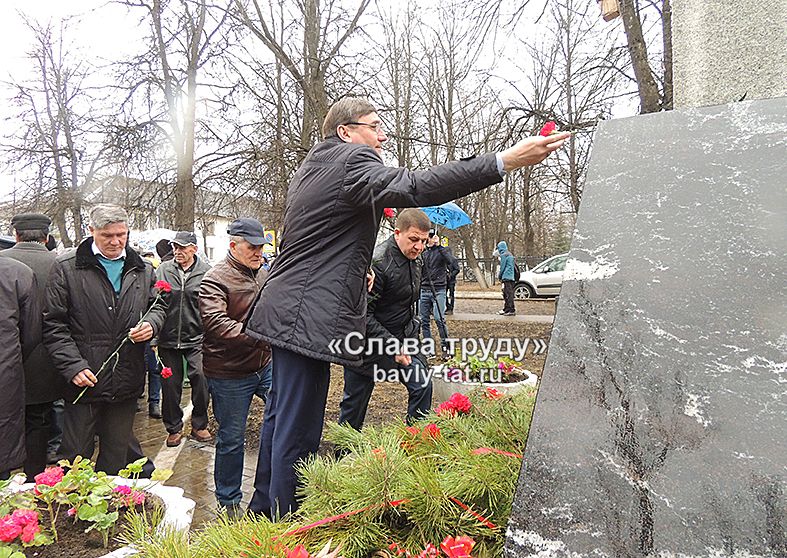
<point x="185" y="196"/>
<point x="472" y="261"/>
<point x="666" y="30"/>
<point x="649" y="98"/>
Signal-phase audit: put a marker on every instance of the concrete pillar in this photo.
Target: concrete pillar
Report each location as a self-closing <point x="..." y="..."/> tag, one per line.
<point x="725" y="49"/>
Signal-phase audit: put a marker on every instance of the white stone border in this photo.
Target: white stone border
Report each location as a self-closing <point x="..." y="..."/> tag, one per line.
<point x="442" y="389"/>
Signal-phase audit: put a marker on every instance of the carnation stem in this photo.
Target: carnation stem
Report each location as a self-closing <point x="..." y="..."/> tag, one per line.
<point x="116" y="353"/>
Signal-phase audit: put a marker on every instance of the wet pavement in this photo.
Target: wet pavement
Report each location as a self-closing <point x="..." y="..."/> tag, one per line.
<point x="191" y="461"/>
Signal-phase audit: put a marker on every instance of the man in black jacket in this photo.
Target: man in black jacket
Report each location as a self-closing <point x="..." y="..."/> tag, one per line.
<point x="95" y="297"/>
<point x="20" y="330"/>
<point x="438" y="262"/>
<point x="43" y="385"/>
<point x="180" y="340"/>
<point x="316" y="296"/>
<point x="390" y="315"/>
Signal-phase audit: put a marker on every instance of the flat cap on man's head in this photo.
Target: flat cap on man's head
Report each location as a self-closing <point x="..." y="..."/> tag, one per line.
<point x="250" y="229"/>
<point x="31" y="222"/>
<point x="184" y="238"/>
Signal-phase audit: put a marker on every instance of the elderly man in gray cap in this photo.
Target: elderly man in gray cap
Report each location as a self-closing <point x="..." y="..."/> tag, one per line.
<point x="43" y="385"/>
<point x="180" y="340"/>
<point x="237" y="366"/>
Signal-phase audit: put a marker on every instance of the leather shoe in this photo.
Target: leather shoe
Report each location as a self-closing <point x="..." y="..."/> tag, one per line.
<point x="201" y="435"/>
<point x="174" y="439"/>
<point x="154" y="410"/>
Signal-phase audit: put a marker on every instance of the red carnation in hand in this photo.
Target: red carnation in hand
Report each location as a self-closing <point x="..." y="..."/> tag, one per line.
<point x="166" y="372"/>
<point x="163" y="286"/>
<point x="548" y="129"/>
<point x="389" y="212"/>
<point x="458" y="547"/>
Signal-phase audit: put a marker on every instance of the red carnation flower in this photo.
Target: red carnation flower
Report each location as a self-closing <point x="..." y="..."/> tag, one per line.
<point x="445" y="408"/>
<point x="492" y="393"/>
<point x="166" y="372"/>
<point x="431" y="430"/>
<point x="548" y="129"/>
<point x="460" y="402"/>
<point x="389" y="212"/>
<point x="163" y="286"/>
<point x="458" y="547"/>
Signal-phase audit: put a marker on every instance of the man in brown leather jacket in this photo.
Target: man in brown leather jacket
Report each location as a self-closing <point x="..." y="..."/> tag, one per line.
<point x="236" y="366"/>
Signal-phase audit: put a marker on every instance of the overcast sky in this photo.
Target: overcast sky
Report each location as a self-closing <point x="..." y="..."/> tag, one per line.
<point x="102" y="31"/>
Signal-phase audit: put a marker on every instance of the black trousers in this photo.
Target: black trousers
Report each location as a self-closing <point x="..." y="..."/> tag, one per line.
<point x="508" y="296"/>
<point x="450" y="296"/>
<point x="358" y="391"/>
<point x="112" y="422"/>
<point x="291" y="429"/>
<point x="38" y="428"/>
<point x="172" y="388"/>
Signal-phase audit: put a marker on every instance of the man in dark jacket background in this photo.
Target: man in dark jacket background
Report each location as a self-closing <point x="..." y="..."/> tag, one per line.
<point x="95" y="297"/>
<point x="316" y="294"/>
<point x="43" y="385"/>
<point x="180" y="340"/>
<point x="20" y="330"/>
<point x="390" y="314"/>
<point x="438" y="262"/>
<point x="236" y="366"/>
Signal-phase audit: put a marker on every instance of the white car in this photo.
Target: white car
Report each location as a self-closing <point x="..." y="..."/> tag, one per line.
<point x="543" y="280"/>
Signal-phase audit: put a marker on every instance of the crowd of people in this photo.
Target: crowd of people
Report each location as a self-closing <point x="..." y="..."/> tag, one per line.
<point x="78" y="326"/>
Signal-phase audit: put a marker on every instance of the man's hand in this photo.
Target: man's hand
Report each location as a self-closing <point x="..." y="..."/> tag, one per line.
<point x="404" y="360"/>
<point x="85" y="378"/>
<point x="532" y="150"/>
<point x="143" y="332"/>
<point x="369" y="280"/>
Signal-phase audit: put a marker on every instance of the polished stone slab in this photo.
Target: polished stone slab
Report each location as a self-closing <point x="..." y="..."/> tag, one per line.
<point x="660" y="428"/>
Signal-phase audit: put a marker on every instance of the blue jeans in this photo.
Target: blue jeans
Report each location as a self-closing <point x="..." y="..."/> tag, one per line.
<point x="231" y="402"/>
<point x="429" y="304"/>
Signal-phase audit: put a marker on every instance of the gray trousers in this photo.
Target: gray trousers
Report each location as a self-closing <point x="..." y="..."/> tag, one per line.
<point x="172" y="388"/>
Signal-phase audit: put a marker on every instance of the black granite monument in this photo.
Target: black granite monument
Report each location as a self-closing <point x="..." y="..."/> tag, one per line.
<point x="660" y="429"/>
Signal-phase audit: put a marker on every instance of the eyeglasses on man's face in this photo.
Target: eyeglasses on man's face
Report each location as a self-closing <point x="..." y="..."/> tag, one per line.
<point x="376" y="126"/>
